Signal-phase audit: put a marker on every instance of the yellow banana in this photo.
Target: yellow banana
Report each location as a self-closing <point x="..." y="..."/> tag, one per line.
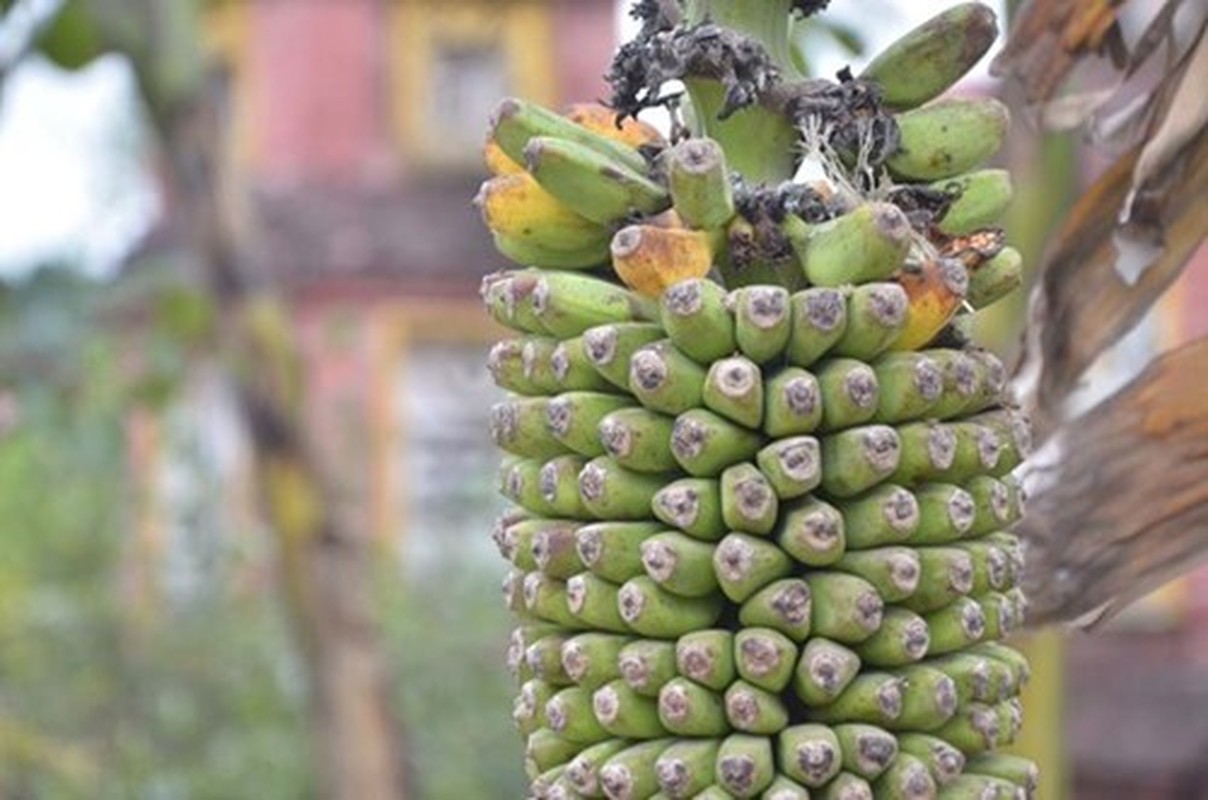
<point x="935" y="291"/>
<point x="497" y="162"/>
<point x="516" y="207"/>
<point x="648" y="258"/>
<point x="603" y="120"/>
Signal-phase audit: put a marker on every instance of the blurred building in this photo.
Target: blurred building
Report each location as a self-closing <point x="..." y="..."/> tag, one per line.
<point x="358" y="126"/>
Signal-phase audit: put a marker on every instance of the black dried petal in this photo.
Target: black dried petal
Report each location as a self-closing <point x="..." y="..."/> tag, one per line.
<point x="809" y="7"/>
<point x="655" y="15"/>
<point x="643" y="65"/>
<point x="923" y="205"/>
<point x="765" y="208"/>
<point x="852" y="112"/>
<point x="776" y="203"/>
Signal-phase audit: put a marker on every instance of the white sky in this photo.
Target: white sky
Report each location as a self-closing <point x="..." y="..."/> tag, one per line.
<point x="71" y="182"/>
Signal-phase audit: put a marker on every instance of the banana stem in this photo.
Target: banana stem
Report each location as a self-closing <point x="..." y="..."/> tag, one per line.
<point x="759" y="143"/>
<point x="766" y="21"/>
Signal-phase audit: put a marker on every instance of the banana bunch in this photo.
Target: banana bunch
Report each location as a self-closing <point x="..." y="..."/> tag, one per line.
<point x="759" y="543"/>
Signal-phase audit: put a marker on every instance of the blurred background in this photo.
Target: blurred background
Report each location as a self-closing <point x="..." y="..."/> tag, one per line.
<point x="254" y="223"/>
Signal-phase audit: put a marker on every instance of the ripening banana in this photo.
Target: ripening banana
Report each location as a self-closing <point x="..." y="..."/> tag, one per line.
<point x="649" y="259"/>
<point x="760" y="536"/>
<point x="936" y="288"/>
<point x="516" y="208"/>
<point x="603" y="120"/>
<point x="497" y="161"/>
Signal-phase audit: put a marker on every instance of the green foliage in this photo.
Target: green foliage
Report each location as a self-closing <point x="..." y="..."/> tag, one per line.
<point x="113" y="684"/>
<point x="72" y="40"/>
<point x="448" y="635"/>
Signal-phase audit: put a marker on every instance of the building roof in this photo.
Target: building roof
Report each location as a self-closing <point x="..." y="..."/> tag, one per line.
<point x="424" y="234"/>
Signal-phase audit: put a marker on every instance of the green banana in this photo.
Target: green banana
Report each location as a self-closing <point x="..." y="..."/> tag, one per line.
<point x="696" y="318"/>
<point x="638" y="439"/>
<point x="812" y="532"/>
<point x="705" y="444"/>
<point x="685" y="769"/>
<point x="706" y="657"/>
<point x="809" y="754"/>
<point x="893" y="571"/>
<point x="942" y="760"/>
<point x="593" y="185"/>
<point x="748" y="500"/>
<point x="613" y="550"/>
<point x="568" y="303"/>
<point x="570" y="716"/>
<point x="573" y="419"/>
<point x="849" y="392"/>
<point x="664" y="379"/>
<point x="877" y="313"/>
<point x="734" y="388"/>
<point x="872" y="697"/>
<point x="610" y="491"/>
<point x="857" y="459"/>
<point x="530" y="253"/>
<point x="867" y="750"/>
<point x="793" y="403"/>
<point x="680" y="564"/>
<point x="996" y="278"/>
<point x="646" y="665"/>
<point x="948" y="137"/>
<point x="583" y="771"/>
<point x="906" y="779"/>
<point x="693" y="505"/>
<point x="980" y="199"/>
<point x="845" y="786"/>
<point x="505" y="362"/>
<point x="928" y="60"/>
<point x="825" y="670"/>
<point x="626" y="714"/>
<point x="866" y="244"/>
<point x="751" y="709"/>
<point x="745" y="564"/>
<point x="817" y="320"/>
<point x="745" y="764"/>
<point x="608" y="348"/>
<point x="590" y="659"/>
<point x="508" y="297"/>
<point x="518" y="425"/>
<point x="652" y="611"/>
<point x="761" y="321"/>
<point x="593" y="602"/>
<point x="572" y="370"/>
<point x="631" y="772"/>
<point x="558" y="482"/>
<point x="847" y="608"/>
<point x="911" y="384"/>
<point x="688" y="709"/>
<point x="516" y="122"/>
<point x="765" y="658"/>
<point x="792" y="466"/>
<point x="700" y="183"/>
<point x="887" y="514"/>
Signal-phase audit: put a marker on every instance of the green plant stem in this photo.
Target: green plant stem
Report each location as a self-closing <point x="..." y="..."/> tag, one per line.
<point x="759" y="143"/>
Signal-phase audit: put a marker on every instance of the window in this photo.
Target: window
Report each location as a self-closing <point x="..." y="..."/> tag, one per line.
<point x="451" y="63"/>
<point x="448" y="486"/>
<point x="468" y="81"/>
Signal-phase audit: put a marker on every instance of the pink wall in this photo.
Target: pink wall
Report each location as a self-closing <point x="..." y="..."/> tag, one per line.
<point x="315" y="70"/>
<point x="584" y="40"/>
